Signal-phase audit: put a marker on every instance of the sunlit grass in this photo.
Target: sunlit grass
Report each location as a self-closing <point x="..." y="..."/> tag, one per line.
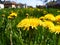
<point x="48" y="33"/>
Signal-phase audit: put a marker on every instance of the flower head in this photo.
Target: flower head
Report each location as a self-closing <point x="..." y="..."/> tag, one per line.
<point x="58" y="10"/>
<point x="38" y="9"/>
<point x="45" y="12"/>
<point x="57" y="18"/>
<point x="3" y="15"/>
<point x="13" y="14"/>
<point x="27" y="22"/>
<point x="57" y="29"/>
<point x="9" y="17"/>
<point x="27" y="15"/>
<point x="50" y="17"/>
<point x="41" y="18"/>
<point x="48" y="24"/>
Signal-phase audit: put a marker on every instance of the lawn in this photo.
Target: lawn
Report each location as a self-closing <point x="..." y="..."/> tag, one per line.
<point x="30" y="26"/>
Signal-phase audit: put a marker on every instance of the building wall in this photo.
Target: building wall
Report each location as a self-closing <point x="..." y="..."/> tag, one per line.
<point x="18" y="6"/>
<point x="13" y="6"/>
<point x="1" y="6"/>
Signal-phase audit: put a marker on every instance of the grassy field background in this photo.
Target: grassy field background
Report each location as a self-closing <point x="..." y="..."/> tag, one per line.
<point x="11" y="35"/>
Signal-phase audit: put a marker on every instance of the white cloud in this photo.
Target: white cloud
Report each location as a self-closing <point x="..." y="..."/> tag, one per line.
<point x="34" y="2"/>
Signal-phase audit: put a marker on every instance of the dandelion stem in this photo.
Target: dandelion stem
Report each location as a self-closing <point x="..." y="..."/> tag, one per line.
<point x="11" y="38"/>
<point x="11" y="42"/>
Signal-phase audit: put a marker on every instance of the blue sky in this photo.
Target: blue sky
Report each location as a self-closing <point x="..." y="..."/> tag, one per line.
<point x="30" y="2"/>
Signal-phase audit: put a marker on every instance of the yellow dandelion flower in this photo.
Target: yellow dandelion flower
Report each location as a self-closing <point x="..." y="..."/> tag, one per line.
<point x="27" y="22"/>
<point x="13" y="14"/>
<point x="57" y="18"/>
<point x="41" y="18"/>
<point x="45" y="12"/>
<point x="48" y="24"/>
<point x="58" y="10"/>
<point x="27" y="15"/>
<point x="38" y="9"/>
<point x="52" y="29"/>
<point x="31" y="9"/>
<point x="9" y="17"/>
<point x="3" y="15"/>
<point x="57" y="29"/>
<point x="50" y="17"/>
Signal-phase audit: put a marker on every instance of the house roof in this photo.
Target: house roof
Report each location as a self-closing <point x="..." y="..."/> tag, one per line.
<point x="9" y="2"/>
<point x="20" y="4"/>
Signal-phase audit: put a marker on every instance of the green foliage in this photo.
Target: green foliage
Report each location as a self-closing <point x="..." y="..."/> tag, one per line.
<point x="9" y="32"/>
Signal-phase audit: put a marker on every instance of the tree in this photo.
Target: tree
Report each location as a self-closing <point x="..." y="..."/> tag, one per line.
<point x="47" y="0"/>
<point x="51" y="3"/>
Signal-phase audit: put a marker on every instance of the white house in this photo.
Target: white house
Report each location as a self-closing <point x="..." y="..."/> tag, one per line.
<point x="13" y="6"/>
<point x="20" y="5"/>
<point x="9" y="4"/>
<point x="1" y="5"/>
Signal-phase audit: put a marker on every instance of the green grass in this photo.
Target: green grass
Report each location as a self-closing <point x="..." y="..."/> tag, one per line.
<point x="41" y="36"/>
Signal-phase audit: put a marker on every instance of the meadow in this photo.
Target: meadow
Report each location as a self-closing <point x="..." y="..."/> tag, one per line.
<point x="30" y="26"/>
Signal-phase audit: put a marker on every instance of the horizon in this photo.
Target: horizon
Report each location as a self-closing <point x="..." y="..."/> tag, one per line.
<point x="32" y="3"/>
